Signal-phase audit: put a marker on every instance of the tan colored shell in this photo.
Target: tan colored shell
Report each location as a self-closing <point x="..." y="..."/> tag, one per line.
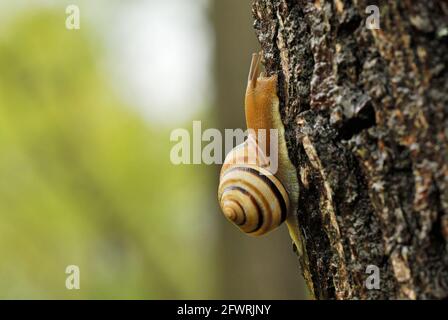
<point x="249" y="195"/>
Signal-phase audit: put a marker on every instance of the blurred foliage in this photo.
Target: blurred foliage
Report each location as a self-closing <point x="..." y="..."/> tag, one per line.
<point x="85" y="180"/>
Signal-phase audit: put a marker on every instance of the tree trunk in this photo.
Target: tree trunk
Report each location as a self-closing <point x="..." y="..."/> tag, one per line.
<point x="365" y="113"/>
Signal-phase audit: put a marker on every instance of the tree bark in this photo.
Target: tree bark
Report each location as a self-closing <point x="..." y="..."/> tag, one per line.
<point x="365" y="113"/>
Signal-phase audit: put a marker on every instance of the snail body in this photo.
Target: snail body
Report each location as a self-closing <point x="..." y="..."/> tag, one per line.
<point x="254" y="195"/>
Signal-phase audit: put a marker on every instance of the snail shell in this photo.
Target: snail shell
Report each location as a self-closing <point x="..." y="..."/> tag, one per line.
<point x="250" y="196"/>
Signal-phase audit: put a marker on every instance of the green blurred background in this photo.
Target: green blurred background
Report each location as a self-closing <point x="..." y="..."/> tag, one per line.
<point x="85" y="172"/>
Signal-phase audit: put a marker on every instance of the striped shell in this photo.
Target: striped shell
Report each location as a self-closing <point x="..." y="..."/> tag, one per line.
<point x="249" y="195"/>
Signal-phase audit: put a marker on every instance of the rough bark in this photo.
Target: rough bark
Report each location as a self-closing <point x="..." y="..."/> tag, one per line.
<point x="365" y="113"/>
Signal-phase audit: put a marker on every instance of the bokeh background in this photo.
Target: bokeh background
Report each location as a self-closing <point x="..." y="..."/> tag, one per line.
<point x="85" y="171"/>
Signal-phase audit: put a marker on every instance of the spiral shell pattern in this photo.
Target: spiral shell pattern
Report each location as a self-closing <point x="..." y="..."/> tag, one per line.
<point x="250" y="196"/>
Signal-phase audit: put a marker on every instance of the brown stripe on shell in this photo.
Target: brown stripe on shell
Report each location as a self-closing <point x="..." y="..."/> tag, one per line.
<point x="235" y="181"/>
<point x="254" y="202"/>
<point x="270" y="184"/>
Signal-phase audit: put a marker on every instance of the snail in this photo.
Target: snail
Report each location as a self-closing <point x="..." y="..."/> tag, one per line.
<point x="253" y="196"/>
